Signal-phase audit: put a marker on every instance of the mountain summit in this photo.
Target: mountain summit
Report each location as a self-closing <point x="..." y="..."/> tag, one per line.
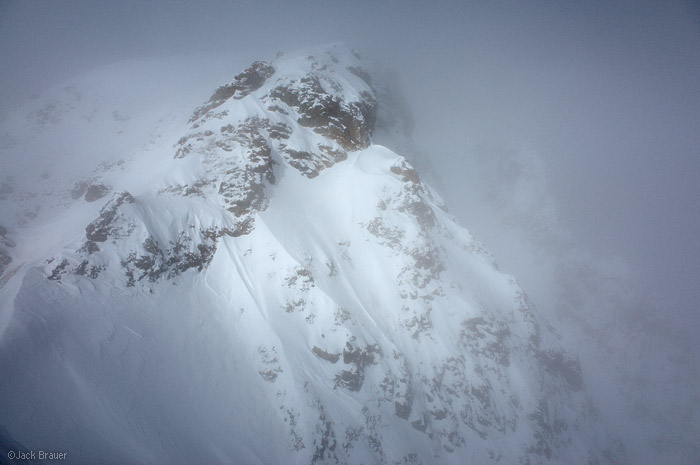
<point x="263" y="284"/>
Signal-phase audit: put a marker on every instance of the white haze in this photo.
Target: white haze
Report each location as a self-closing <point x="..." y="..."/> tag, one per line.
<point x="566" y="137"/>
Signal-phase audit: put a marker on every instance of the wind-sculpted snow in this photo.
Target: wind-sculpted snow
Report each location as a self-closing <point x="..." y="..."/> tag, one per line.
<point x="280" y="290"/>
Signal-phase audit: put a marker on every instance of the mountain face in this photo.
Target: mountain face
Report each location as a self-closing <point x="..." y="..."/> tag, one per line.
<point x="263" y="284"/>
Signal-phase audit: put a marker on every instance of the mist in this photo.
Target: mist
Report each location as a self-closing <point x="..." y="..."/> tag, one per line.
<point x="565" y="137"/>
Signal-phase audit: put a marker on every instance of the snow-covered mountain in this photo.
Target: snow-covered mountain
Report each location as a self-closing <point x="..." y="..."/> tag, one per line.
<point x="256" y="281"/>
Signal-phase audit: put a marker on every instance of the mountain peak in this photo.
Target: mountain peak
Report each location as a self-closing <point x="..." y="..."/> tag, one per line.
<point x="279" y="289"/>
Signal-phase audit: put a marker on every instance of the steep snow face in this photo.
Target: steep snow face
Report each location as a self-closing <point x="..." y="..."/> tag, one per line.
<point x="267" y="286"/>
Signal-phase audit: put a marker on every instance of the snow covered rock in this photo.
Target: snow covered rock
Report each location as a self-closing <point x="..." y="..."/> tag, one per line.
<point x="277" y="289"/>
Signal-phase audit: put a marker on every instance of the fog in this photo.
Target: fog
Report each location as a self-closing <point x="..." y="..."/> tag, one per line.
<point x="565" y="137"/>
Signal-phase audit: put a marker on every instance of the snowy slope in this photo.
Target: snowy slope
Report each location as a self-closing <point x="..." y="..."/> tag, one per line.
<point x="262" y="284"/>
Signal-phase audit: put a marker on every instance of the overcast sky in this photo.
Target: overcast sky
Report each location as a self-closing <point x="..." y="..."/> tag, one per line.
<point x="607" y="93"/>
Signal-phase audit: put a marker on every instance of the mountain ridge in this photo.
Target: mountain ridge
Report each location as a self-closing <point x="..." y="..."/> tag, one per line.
<point x="277" y="275"/>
